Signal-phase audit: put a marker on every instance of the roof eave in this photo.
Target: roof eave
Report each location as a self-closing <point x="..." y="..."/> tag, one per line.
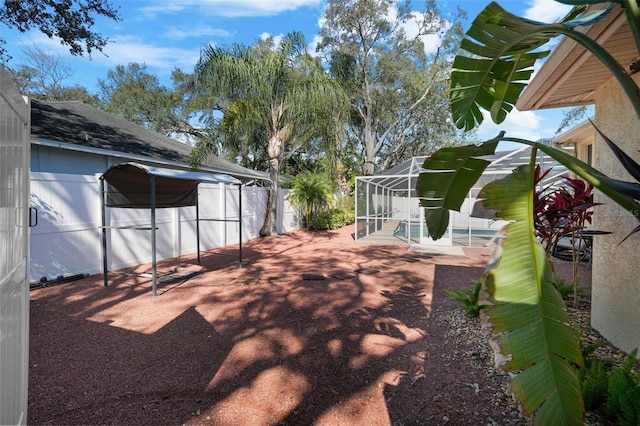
<point x="557" y="70"/>
<point x="134" y="157"/>
<point x="581" y="132"/>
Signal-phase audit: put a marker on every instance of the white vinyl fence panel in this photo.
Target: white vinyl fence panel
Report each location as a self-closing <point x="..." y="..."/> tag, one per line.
<point x="14" y="289"/>
<point x="67" y="242"/>
<point x="66" y="239"/>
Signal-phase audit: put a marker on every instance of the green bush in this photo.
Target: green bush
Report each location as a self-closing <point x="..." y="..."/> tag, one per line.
<point x="566" y="288"/>
<point x="331" y="219"/>
<point x="468" y="298"/>
<point x="346" y="203"/>
<point x="613" y="392"/>
<point x="623" y="402"/>
<point x="594" y="383"/>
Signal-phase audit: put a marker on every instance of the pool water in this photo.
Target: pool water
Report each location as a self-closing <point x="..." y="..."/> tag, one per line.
<point x="401" y="231"/>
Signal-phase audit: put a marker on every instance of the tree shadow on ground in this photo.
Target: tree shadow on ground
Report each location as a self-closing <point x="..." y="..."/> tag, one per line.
<point x="216" y="350"/>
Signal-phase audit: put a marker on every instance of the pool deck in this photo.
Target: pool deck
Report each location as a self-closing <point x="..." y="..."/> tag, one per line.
<point x="386" y="236"/>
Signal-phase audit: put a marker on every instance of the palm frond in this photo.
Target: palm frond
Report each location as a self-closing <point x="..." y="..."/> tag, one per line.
<point x="446" y="179"/>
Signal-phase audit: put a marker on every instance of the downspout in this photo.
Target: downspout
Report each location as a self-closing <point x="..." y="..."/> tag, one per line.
<point x="153" y="235"/>
<point x="104" y="233"/>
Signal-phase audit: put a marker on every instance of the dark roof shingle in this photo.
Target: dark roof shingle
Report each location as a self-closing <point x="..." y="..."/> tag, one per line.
<point x="81" y="124"/>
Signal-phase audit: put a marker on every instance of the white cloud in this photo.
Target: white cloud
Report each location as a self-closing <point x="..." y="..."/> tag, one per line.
<point x="518" y="124"/>
<point x="161" y="59"/>
<point x="545" y="10"/>
<point x="232" y="8"/>
<point x="193" y="32"/>
<point x="120" y="51"/>
<point x="314" y="44"/>
<point x="412" y="28"/>
<point x="276" y="39"/>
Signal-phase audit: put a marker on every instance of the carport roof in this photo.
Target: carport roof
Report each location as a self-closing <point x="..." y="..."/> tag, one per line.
<point x="129" y="186"/>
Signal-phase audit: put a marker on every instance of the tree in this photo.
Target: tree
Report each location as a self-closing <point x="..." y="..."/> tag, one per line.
<point x="135" y="95"/>
<point x="68" y="20"/>
<point x="43" y="75"/>
<point x="535" y="337"/>
<point x="271" y="96"/>
<point x="397" y="91"/>
<point x="311" y="192"/>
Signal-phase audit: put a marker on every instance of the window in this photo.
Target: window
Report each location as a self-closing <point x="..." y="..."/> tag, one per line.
<point x="588" y="154"/>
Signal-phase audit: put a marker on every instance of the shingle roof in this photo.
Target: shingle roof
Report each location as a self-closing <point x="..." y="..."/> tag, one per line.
<point x="81" y="124"/>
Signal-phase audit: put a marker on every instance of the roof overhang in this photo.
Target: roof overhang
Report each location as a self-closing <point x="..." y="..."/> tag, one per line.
<point x="582" y="132"/>
<point x="571" y="74"/>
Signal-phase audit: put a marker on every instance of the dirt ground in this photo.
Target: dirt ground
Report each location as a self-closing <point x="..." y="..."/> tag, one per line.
<point x="315" y="329"/>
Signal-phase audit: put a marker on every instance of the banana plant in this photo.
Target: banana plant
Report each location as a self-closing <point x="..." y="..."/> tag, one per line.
<point x="535" y="339"/>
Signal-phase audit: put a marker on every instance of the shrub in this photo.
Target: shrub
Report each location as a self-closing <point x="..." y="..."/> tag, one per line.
<point x="614" y="392"/>
<point x="311" y="192"/>
<point x="594" y="383"/>
<point x="331" y="219"/>
<point x="566" y="289"/>
<point x="623" y="402"/>
<point x="468" y="298"/>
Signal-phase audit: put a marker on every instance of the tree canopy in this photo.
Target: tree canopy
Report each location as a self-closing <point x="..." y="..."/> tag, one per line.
<point x="43" y="76"/>
<point x="397" y="88"/>
<point x="68" y="20"/>
<point x="271" y="97"/>
<point x="136" y="95"/>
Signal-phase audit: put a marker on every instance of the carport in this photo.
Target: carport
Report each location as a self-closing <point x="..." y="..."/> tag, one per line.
<point x="134" y="185"/>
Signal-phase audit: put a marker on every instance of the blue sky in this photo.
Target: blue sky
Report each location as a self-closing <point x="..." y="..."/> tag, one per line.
<point x="165" y="34"/>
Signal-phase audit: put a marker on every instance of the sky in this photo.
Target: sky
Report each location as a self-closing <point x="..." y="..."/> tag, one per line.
<point x="169" y="34"/>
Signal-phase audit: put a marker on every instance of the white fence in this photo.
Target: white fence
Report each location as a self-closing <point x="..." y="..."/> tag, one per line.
<point x="66" y="239"/>
<point x="14" y="293"/>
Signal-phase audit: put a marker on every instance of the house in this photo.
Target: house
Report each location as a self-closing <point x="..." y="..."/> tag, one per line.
<point x="73" y="144"/>
<point x="76" y="138"/>
<point x="571" y="76"/>
<point x="579" y="140"/>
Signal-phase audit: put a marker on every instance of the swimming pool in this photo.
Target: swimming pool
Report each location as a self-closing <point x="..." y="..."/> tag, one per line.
<point x="401" y="231"/>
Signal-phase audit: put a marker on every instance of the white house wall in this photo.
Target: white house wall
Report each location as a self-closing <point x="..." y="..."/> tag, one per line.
<point x="615" y="279"/>
<point x="52" y="160"/>
<point x="66" y="240"/>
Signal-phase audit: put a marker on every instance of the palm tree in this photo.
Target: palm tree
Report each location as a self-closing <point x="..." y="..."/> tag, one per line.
<point x="311" y="192"/>
<point x="274" y="94"/>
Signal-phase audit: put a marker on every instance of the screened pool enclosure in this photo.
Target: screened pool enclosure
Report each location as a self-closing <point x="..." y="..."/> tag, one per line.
<point x="388" y="211"/>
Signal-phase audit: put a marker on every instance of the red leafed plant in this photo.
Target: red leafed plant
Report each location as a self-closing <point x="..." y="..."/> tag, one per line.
<point x="564" y="212"/>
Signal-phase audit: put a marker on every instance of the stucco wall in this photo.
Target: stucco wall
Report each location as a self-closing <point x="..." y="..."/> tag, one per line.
<point x="616" y="267"/>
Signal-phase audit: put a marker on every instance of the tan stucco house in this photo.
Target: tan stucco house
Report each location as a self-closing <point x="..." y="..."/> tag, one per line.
<point x="578" y="140"/>
<point x="571" y="76"/>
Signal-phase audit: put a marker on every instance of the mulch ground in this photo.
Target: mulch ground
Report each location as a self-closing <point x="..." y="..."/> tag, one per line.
<point x="314" y="329"/>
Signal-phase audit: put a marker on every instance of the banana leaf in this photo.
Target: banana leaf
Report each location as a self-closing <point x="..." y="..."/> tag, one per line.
<point x="502" y="50"/>
<point x="528" y="312"/>
<point x="627" y="162"/>
<point x="625" y="194"/>
<point x="447" y="177"/>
